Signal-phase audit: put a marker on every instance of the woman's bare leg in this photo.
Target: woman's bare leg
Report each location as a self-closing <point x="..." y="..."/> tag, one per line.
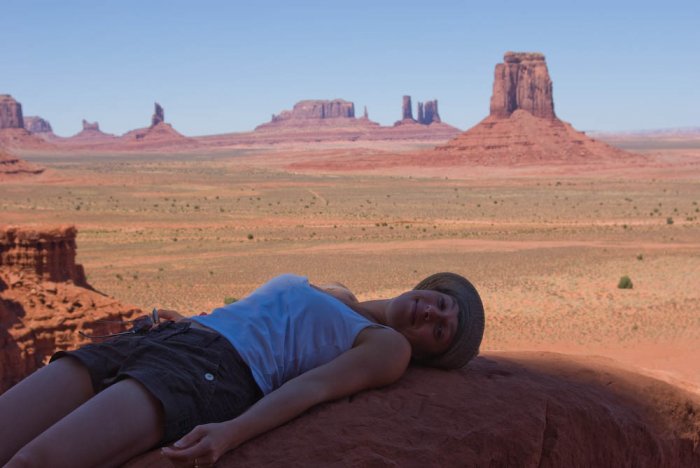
<point x="107" y="430"/>
<point x="37" y="402"/>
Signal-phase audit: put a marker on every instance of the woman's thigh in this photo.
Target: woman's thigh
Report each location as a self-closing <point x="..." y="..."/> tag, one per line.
<point x="107" y="430"/>
<point x="37" y="402"/>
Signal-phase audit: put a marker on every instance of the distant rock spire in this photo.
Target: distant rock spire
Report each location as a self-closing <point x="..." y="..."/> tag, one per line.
<point x="365" y="115"/>
<point x="158" y="115"/>
<point x="407" y="108"/>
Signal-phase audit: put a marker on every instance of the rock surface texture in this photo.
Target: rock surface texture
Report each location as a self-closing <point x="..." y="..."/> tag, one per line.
<point x="45" y="300"/>
<point x="37" y="125"/>
<point x="522" y="128"/>
<point x="522" y="82"/>
<point x="10" y="112"/>
<point x="521" y="409"/>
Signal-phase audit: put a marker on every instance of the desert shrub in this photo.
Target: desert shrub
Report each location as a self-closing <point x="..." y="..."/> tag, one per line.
<point x="229" y="300"/>
<point x="669" y="220"/>
<point x="250" y="237"/>
<point x="640" y="257"/>
<point x="625" y="283"/>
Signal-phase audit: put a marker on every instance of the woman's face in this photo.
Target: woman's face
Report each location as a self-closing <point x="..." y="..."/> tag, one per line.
<point x="428" y="319"/>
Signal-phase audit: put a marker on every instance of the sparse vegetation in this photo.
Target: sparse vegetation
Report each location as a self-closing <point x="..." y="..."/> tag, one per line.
<point x="229" y="300"/>
<point x="625" y="283"/>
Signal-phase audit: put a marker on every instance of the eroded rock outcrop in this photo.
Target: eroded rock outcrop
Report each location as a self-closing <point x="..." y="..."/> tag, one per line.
<point x="522" y="82"/>
<point x="505" y="409"/>
<point x="35" y="124"/>
<point x="10" y="112"/>
<point x="11" y="166"/>
<point x="45" y="300"/>
<point x="522" y="128"/>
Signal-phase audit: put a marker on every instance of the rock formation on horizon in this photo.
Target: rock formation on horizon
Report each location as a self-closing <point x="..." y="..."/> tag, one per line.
<point x="158" y="115"/>
<point x="428" y="112"/>
<point x="10" y="112"/>
<point x="318" y="109"/>
<point x="522" y="128"/>
<point x="34" y="124"/>
<point x="91" y="126"/>
<point x="45" y="300"/>
<point x="426" y="115"/>
<point x="406" y="108"/>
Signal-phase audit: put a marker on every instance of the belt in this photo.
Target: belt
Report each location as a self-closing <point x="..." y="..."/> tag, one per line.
<point x="199" y="326"/>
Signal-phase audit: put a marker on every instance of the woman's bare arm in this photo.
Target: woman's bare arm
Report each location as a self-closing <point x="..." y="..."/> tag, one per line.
<point x="380" y="358"/>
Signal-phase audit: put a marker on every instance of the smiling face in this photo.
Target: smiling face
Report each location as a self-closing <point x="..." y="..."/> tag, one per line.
<point x="428" y="319"/>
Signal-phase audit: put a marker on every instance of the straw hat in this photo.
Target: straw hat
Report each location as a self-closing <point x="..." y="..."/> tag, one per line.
<point x="470" y="328"/>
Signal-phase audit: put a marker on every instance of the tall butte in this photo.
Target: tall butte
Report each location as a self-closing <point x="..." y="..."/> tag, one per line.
<point x="522" y="127"/>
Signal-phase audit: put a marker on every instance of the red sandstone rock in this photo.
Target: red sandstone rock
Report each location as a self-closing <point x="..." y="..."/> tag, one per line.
<point x="522" y="82"/>
<point x="11" y="166"/>
<point x="505" y="409"/>
<point x="37" y="125"/>
<point x="45" y="300"/>
<point x="420" y="117"/>
<point x="522" y="128"/>
<point x="158" y="115"/>
<point x="10" y="112"/>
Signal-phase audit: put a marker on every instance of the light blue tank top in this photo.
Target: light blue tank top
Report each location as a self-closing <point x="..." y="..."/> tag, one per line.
<point x="285" y="328"/>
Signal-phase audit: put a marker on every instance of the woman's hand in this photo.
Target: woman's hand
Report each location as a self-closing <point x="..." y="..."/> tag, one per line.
<point x="170" y="315"/>
<point x="202" y="446"/>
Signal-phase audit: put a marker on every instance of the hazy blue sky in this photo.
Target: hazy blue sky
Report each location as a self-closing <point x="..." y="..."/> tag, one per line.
<point x="219" y="66"/>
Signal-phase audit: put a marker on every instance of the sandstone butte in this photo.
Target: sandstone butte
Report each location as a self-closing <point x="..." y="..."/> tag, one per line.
<point x="522" y="127"/>
<point x="12" y="131"/>
<point x="45" y="300"/>
<point x="158" y="133"/>
<point x="36" y="124"/>
<point x="503" y="409"/>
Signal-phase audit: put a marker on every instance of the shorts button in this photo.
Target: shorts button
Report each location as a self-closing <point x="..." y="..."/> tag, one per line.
<point x="209" y="376"/>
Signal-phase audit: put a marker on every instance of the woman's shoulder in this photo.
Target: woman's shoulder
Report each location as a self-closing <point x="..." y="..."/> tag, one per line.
<point x="339" y="291"/>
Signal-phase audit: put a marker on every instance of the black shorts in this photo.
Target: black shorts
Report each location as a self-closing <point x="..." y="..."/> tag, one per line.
<point x="197" y="375"/>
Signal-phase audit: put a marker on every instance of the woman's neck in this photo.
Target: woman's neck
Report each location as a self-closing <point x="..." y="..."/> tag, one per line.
<point x="373" y="310"/>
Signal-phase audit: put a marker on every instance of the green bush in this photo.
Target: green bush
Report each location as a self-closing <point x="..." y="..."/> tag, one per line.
<point x="625" y="283"/>
<point x="229" y="300"/>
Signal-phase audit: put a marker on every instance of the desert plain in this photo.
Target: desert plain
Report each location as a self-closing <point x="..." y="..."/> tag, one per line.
<point x="545" y="245"/>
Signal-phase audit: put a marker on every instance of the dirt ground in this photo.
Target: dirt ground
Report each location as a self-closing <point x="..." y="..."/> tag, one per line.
<point x="545" y="246"/>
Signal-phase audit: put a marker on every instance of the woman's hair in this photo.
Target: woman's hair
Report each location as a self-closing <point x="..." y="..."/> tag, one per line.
<point x="470" y="328"/>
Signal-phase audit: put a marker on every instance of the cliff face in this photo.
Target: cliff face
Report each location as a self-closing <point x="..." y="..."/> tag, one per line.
<point x="45" y="300"/>
<point x="522" y="82"/>
<point x="10" y="112"/>
<point x="37" y="125"/>
<point x="47" y="254"/>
